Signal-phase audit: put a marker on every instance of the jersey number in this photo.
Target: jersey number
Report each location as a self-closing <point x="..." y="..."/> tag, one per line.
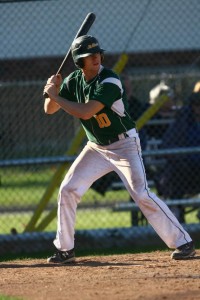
<point x="103" y="120"/>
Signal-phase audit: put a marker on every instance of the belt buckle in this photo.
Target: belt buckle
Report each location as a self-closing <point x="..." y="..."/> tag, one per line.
<point x="126" y="135"/>
<point x="123" y="136"/>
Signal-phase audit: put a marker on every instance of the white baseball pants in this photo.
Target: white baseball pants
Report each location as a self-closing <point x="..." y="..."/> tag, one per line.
<point x="123" y="157"/>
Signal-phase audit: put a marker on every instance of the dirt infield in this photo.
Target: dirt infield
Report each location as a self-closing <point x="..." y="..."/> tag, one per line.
<point x="152" y="276"/>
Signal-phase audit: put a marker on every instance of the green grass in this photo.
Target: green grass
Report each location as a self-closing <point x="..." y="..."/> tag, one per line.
<point x="24" y="188"/>
<point x="86" y="219"/>
<point x="9" y="298"/>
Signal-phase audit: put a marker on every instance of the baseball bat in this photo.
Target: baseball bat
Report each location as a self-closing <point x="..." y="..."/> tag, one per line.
<point x="84" y="28"/>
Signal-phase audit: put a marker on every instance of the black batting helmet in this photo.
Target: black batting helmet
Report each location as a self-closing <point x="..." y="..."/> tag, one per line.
<point x="83" y="46"/>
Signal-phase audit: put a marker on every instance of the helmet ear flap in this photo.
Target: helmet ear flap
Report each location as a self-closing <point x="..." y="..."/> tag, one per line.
<point x="79" y="63"/>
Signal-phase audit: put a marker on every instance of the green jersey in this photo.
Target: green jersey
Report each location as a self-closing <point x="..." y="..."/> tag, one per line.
<point x="106" y="88"/>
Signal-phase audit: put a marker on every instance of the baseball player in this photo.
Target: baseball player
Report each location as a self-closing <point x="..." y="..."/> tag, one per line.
<point x="95" y="95"/>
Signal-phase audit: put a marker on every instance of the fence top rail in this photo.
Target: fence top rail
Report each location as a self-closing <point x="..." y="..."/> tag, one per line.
<point x="71" y="158"/>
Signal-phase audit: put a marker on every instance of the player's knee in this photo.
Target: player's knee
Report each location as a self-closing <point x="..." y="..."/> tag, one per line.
<point x="67" y="193"/>
<point x="146" y="202"/>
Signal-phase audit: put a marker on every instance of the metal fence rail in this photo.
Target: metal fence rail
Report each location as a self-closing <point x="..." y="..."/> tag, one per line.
<point x="70" y="159"/>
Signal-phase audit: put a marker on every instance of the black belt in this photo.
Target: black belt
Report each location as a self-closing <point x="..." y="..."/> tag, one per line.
<point x="116" y="139"/>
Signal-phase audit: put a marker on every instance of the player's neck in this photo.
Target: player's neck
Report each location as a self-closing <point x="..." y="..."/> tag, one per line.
<point x="90" y="74"/>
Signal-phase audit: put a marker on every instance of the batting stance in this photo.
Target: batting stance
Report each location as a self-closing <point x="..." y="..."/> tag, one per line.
<point x="95" y="95"/>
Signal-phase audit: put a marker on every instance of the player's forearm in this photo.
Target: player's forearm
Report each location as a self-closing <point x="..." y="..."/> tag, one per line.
<point x="50" y="106"/>
<point x="79" y="110"/>
<point x="83" y="111"/>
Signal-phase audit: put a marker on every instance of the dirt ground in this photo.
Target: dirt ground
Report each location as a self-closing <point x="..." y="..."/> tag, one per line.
<point x="149" y="276"/>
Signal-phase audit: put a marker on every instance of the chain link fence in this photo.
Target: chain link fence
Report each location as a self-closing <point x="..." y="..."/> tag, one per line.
<point x="155" y="46"/>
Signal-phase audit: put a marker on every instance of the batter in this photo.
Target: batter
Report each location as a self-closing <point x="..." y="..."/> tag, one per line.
<point x="95" y="95"/>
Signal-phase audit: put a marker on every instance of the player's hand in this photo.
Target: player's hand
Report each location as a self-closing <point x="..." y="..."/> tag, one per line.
<point x="55" y="79"/>
<point x="51" y="90"/>
<point x="52" y="86"/>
